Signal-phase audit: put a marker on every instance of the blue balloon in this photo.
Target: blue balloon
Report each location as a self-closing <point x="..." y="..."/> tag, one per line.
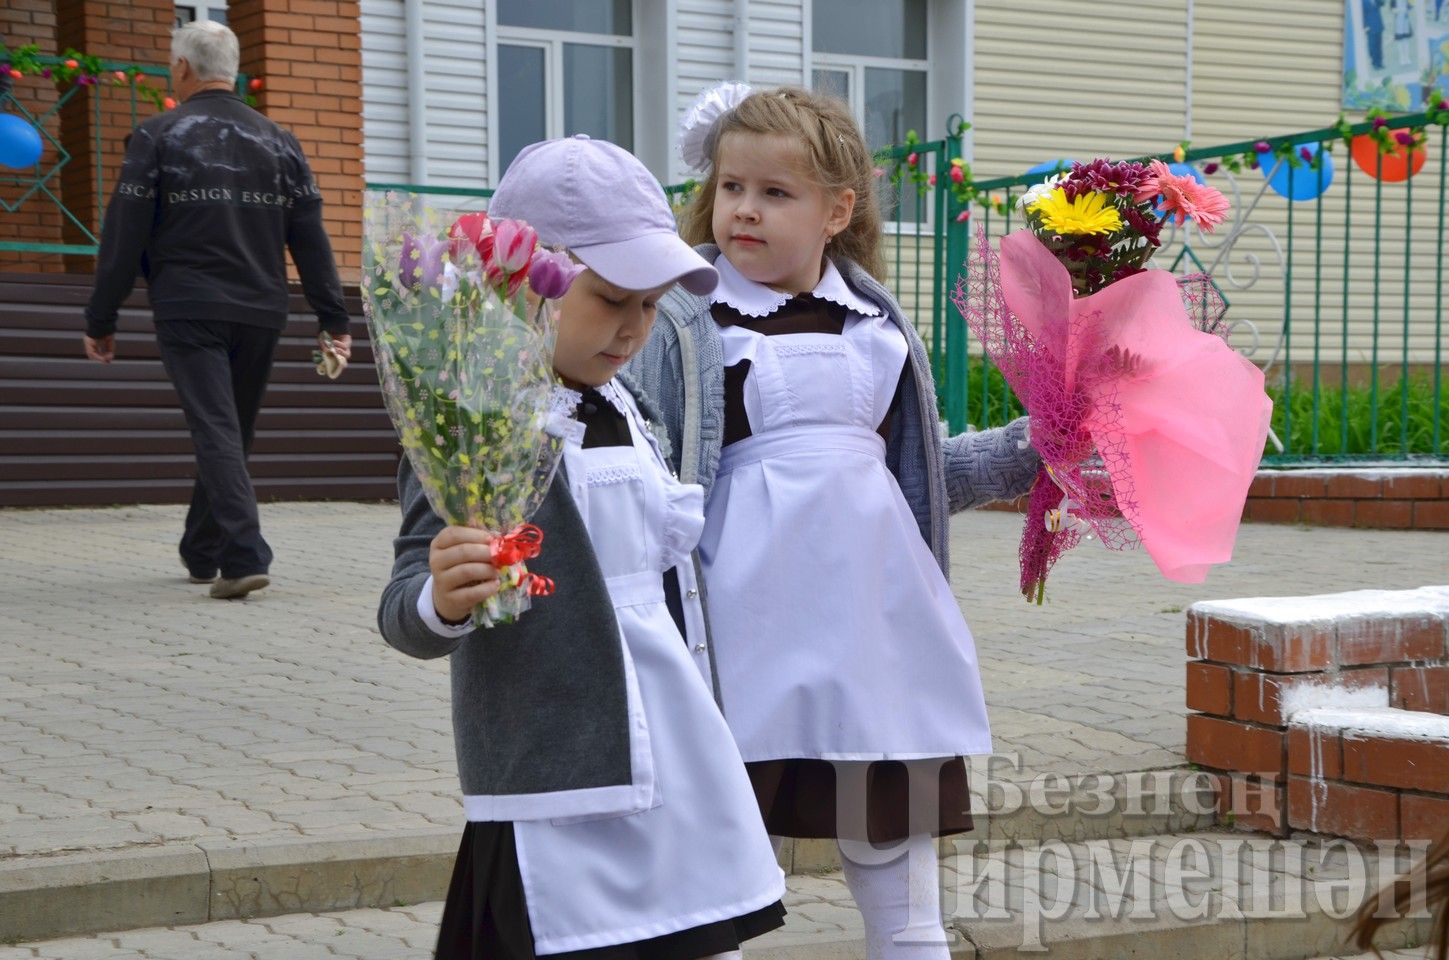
<point x="1051" y="167"/>
<point x="1306" y="184"/>
<point x="1181" y="170"/>
<point x="20" y="143"/>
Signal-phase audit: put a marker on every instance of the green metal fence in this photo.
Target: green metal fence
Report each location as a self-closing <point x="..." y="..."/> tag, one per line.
<point x="42" y="185"/>
<point x="1339" y="297"/>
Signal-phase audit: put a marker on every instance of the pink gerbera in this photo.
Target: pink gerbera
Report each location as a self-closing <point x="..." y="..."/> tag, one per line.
<point x="1183" y="197"/>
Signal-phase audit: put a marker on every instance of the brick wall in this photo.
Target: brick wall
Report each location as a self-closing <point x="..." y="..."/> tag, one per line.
<point x="1378" y="499"/>
<point x="1292" y="698"/>
<point x="1382" y="500"/>
<point x="38" y="219"/>
<point x="309" y="54"/>
<point x="125" y="31"/>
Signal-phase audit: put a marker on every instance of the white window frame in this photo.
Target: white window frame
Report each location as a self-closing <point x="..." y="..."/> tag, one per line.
<point x="552" y="43"/>
<point x="203" y="7"/>
<point x="854" y="66"/>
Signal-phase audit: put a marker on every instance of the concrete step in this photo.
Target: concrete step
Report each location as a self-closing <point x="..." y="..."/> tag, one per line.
<point x="1069" y="808"/>
<point x="1202" y="896"/>
<point x="43" y="897"/>
<point x="1279" y="900"/>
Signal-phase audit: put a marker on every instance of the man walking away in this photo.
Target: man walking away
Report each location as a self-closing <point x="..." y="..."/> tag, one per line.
<point x="210" y="194"/>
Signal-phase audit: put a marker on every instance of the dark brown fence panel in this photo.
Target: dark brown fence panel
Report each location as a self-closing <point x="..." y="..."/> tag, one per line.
<point x="73" y="432"/>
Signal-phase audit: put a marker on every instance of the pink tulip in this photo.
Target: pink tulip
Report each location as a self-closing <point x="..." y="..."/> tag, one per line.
<point x="513" y="246"/>
<point x="513" y="243"/>
<point x="931" y="180"/>
<point x="911" y="159"/>
<point x="963" y="216"/>
<point x="957" y="174"/>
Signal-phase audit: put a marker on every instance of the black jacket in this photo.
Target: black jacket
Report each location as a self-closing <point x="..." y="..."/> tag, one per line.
<point x="210" y="194"/>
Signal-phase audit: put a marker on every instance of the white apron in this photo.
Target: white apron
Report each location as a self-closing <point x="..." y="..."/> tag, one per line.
<point x="701" y="854"/>
<point x="836" y="635"/>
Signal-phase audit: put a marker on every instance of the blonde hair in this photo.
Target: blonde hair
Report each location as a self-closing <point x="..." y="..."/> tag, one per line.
<point x="836" y="158"/>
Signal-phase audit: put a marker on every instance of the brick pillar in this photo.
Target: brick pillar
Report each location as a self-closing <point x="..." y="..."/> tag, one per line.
<point x="1324" y="713"/>
<point x="124" y="31"/>
<point x="38" y="219"/>
<point x="309" y="56"/>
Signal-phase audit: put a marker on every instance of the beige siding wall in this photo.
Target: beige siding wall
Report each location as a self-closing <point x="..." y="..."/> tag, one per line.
<point x="1257" y="69"/>
<point x="1055" y="78"/>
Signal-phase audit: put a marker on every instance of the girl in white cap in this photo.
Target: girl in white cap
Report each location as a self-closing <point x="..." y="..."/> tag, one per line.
<point x="803" y="402"/>
<point x="609" y="815"/>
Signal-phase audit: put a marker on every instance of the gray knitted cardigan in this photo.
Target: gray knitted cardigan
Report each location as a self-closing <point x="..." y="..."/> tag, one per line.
<point x="681" y="370"/>
<point x="541" y="720"/>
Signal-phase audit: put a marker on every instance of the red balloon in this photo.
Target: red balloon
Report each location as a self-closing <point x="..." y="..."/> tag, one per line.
<point x="255" y="83"/>
<point x="1398" y="164"/>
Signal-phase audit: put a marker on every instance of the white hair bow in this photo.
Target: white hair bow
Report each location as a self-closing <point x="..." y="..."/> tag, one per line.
<point x="700" y="118"/>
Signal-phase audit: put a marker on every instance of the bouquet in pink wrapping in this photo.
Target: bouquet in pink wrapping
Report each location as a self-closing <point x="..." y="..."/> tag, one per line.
<point x="1150" y="427"/>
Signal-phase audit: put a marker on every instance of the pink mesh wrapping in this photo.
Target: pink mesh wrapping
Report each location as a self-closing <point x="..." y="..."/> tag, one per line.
<point x="1068" y="364"/>
<point x="1074" y="473"/>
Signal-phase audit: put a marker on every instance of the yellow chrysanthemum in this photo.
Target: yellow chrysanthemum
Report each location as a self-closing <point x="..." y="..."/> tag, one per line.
<point x="1089" y="213"/>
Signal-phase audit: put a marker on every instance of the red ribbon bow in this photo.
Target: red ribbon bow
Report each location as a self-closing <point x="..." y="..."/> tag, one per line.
<point x="524" y="542"/>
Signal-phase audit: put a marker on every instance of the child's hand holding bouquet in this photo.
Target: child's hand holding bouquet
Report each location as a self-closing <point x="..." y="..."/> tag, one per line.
<point x="466" y="365"/>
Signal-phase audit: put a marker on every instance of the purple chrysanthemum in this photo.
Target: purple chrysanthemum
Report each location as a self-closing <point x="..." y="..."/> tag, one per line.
<point x="1122" y="179"/>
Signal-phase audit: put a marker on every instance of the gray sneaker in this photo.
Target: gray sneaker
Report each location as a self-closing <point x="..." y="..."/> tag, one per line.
<point x="234" y="588"/>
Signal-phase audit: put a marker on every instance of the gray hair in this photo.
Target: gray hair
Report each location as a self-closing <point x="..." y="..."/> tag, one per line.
<point x="210" y="47"/>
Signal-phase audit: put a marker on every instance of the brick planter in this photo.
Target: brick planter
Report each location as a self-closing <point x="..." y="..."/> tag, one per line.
<point x="1377" y="498"/>
<point x="1381" y="499"/>
<point x="1327" y="713"/>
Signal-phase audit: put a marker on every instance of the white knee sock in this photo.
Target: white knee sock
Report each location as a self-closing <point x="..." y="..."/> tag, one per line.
<point x="899" y="899"/>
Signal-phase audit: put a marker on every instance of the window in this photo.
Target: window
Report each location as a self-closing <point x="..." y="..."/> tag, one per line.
<point x="873" y="55"/>
<point x="567" y="67"/>
<point x="200" y="10"/>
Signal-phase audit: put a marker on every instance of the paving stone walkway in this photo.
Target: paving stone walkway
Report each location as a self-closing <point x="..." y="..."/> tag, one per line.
<point x="136" y="711"/>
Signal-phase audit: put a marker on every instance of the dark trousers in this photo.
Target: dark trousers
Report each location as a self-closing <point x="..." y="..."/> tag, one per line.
<point x="220" y="371"/>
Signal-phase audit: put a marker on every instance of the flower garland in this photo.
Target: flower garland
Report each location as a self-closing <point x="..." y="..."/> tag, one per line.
<point x="85" y="70"/>
<point x="1388" y="137"/>
<point x="960" y="179"/>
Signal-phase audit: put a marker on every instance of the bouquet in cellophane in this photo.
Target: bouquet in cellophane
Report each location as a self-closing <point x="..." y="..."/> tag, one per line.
<point x="1149" y="426"/>
<point x="465" y="359"/>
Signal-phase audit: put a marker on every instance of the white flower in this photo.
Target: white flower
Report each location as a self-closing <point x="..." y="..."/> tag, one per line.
<point x="450" y="281"/>
<point x="1040" y="191"/>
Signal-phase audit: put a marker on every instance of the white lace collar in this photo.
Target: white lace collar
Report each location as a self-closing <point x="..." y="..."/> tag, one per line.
<point x="753" y="299"/>
<point x="559" y="419"/>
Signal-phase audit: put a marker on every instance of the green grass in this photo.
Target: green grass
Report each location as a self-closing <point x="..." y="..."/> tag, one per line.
<point x="996" y="405"/>
<point x="1356" y="411"/>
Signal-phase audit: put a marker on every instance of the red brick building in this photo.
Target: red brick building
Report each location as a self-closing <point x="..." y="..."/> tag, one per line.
<point x="306" y="52"/>
<point x="76" y="432"/>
